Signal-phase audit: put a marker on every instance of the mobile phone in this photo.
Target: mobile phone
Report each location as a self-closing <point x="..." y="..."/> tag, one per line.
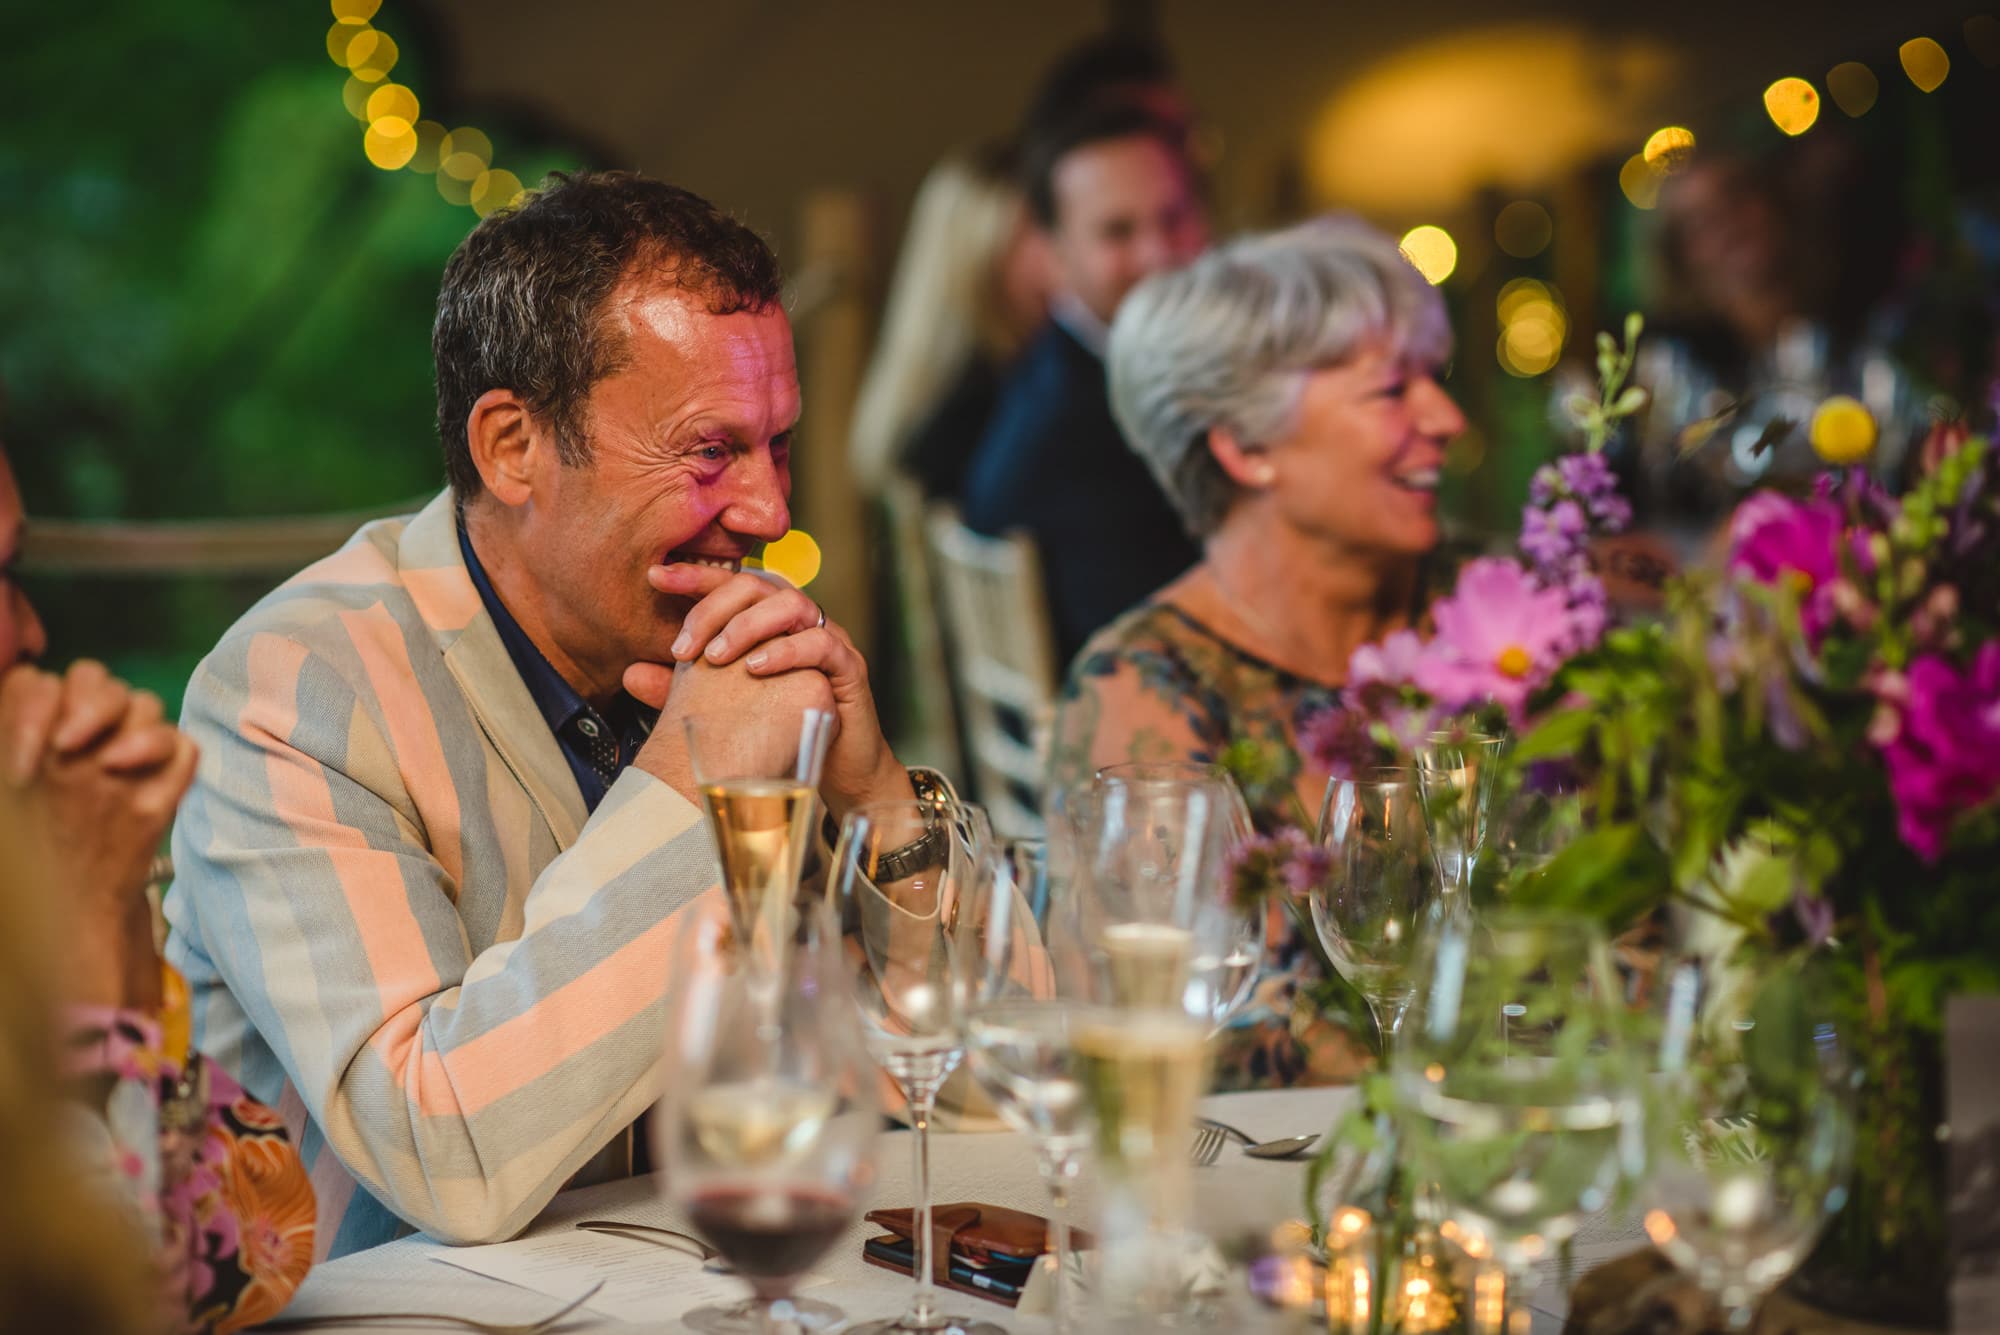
<point x="1004" y="1278"/>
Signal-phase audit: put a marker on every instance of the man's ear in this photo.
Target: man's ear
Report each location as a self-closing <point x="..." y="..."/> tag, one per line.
<point x="1245" y="465"/>
<point x="510" y="445"/>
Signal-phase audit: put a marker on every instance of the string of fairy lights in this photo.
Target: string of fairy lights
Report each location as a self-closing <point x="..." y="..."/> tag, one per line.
<point x="1533" y="323"/>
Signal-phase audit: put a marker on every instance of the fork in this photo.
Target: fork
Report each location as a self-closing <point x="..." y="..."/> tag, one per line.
<point x="541" y="1327"/>
<point x="1207" y="1147"/>
<point x="658" y="1237"/>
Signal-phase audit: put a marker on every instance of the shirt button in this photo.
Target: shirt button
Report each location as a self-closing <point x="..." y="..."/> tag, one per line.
<point x="588" y="727"/>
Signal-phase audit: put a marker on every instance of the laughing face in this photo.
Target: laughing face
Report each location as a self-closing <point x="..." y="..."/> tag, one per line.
<point x="1360" y="466"/>
<point x="690" y="461"/>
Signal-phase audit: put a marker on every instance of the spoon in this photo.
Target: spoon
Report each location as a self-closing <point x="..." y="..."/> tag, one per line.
<point x="1285" y="1147"/>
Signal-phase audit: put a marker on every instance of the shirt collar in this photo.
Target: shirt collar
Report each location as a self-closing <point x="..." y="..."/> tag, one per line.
<point x="1068" y="310"/>
<point x="555" y="697"/>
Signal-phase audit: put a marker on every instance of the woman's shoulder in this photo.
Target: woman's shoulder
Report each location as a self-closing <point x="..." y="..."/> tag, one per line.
<point x="1155" y="634"/>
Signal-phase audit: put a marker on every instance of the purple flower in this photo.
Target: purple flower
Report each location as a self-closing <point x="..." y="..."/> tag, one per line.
<point x="1775" y="540"/>
<point x="1815" y="915"/>
<point x="1337" y="741"/>
<point x="1590" y="480"/>
<point x="1500" y="636"/>
<point x="1553" y="538"/>
<point x="1945" y="757"/>
<point x="1394" y="661"/>
<point x="1304" y="864"/>
<point x="1268" y="866"/>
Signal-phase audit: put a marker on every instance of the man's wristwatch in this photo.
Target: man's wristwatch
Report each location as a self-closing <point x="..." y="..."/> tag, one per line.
<point x="930" y="848"/>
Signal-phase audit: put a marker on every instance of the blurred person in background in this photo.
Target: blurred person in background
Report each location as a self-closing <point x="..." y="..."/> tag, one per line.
<point x="161" y="1151"/>
<point x="1284" y="392"/>
<point x="971" y="287"/>
<point x="1118" y="200"/>
<point x="1115" y="66"/>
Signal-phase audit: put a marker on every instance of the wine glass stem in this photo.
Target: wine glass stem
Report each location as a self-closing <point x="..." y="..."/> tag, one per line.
<point x="1388" y="1017"/>
<point x="1059" y="1169"/>
<point x="923" y="1099"/>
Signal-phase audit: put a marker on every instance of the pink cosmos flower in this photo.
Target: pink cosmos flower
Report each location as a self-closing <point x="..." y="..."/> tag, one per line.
<point x="1394" y="661"/>
<point x="1945" y="757"/>
<point x="1776" y="540"/>
<point x="1499" y="637"/>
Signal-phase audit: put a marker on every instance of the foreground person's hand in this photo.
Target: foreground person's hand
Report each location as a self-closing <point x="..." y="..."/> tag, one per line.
<point x="772" y="630"/>
<point x="706" y="691"/>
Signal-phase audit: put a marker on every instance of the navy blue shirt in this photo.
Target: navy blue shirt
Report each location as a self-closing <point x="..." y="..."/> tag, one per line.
<point x="597" y="746"/>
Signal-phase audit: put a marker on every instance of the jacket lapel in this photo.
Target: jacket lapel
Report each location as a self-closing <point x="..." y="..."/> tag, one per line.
<point x="434" y="572"/>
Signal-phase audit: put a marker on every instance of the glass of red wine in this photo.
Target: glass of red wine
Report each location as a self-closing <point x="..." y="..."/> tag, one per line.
<point x="766" y="1134"/>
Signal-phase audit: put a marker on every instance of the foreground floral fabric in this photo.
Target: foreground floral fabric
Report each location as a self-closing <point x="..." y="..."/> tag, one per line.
<point x="218" y="1187"/>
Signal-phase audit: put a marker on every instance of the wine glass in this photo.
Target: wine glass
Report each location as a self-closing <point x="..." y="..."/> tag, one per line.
<point x="767" y="1132"/>
<point x="758" y="787"/>
<point x="900" y="874"/>
<point x="1755" y="1124"/>
<point x="1512" y="1087"/>
<point x="1020" y="1033"/>
<point x="1383" y="890"/>
<point x="1455" y="770"/>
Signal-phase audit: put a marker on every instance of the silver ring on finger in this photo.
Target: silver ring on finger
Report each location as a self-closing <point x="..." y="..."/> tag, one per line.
<point x="821" y="623"/>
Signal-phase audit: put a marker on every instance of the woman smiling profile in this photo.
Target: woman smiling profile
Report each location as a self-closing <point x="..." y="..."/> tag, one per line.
<point x="1283" y="390"/>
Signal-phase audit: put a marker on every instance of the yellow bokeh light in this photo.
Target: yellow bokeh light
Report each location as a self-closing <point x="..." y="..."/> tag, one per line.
<point x="464" y="153"/>
<point x="1518" y="293"/>
<point x="355" y="11"/>
<point x="1792" y="104"/>
<point x="1431" y="251"/>
<point x="1465" y="453"/>
<point x="1852" y="86"/>
<point x="1982" y="34"/>
<point x="1669" y="149"/>
<point x="392" y="99"/>
<point x="372" y="55"/>
<point x="794" y="556"/>
<point x="390" y="142"/>
<point x="1523" y="229"/>
<point x="1639" y="182"/>
<point x="1925" y="62"/>
<point x="1529" y="347"/>
<point x="456" y="190"/>
<point x="354" y="96"/>
<point x="340" y="39"/>
<point x="496" y="190"/>
<point x="430" y="136"/>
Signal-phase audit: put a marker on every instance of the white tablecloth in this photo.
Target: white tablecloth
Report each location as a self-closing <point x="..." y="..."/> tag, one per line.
<point x="1236" y="1195"/>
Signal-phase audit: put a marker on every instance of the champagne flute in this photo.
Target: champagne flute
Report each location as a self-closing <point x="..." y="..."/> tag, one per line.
<point x="1512" y="1087"/>
<point x="1383" y="891"/>
<point x="767" y="1132"/>
<point x="1756" y="1125"/>
<point x="757" y="786"/>
<point x="900" y="875"/>
<point x="1455" y="770"/>
<point x="1020" y="1033"/>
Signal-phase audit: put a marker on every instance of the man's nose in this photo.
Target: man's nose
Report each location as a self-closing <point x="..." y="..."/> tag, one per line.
<point x="759" y="508"/>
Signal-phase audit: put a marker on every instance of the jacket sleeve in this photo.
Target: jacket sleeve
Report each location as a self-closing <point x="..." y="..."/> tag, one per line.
<point x="461" y="1089"/>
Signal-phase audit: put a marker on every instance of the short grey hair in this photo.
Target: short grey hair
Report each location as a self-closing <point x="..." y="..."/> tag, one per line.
<point x="1228" y="343"/>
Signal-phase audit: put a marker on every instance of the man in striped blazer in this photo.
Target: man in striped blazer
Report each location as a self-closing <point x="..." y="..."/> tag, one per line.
<point x="444" y="827"/>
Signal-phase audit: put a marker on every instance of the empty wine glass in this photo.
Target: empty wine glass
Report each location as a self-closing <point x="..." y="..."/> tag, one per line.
<point x="1455" y="770"/>
<point x="1512" y="1086"/>
<point x="900" y="874"/>
<point x="767" y="1132"/>
<point x="1755" y="1127"/>
<point x="1383" y="890"/>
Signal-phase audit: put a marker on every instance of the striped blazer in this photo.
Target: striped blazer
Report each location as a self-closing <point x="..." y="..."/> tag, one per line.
<point x="402" y="927"/>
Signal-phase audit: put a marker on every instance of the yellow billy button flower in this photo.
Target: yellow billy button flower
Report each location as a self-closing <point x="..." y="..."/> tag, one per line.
<point x="1513" y="661"/>
<point x="1843" y="431"/>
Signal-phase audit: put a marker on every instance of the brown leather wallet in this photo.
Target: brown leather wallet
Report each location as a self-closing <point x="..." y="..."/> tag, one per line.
<point x="971" y="1232"/>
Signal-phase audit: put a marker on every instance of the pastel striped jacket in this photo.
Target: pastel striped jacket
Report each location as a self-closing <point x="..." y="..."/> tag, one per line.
<point x="402" y="927"/>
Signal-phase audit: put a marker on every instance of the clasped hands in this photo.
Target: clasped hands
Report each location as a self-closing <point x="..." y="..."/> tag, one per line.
<point x="756" y="649"/>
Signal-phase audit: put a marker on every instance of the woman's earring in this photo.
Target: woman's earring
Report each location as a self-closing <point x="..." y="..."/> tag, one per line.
<point x="1265" y="476"/>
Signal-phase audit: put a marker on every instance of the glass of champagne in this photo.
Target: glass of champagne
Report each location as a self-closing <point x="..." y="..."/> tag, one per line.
<point x="1383" y="892"/>
<point x="767" y="1132"/>
<point x="758" y="786"/>
<point x="1755" y="1128"/>
<point x="902" y="874"/>
<point x="1512" y="1087"/>
<point x="1020" y="1033"/>
<point x="1455" y="770"/>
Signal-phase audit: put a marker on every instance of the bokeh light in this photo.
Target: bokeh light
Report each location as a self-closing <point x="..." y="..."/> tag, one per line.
<point x="1925" y="62"/>
<point x="1519" y="293"/>
<point x="340" y="38"/>
<point x="1640" y="182"/>
<point x="354" y="96"/>
<point x="372" y="55"/>
<point x="494" y="190"/>
<point x="1432" y="251"/>
<point x="1982" y="34"/>
<point x="795" y="556"/>
<point x="1853" y="87"/>
<point x="1466" y="452"/>
<point x="392" y="99"/>
<point x="390" y="142"/>
<point x="1533" y="326"/>
<point x="430" y="137"/>
<point x="355" y="11"/>
<point x="1792" y="104"/>
<point x="465" y="153"/>
<point x="1669" y="149"/>
<point x="1523" y="229"/>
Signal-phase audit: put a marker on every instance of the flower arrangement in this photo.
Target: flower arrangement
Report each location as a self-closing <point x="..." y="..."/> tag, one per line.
<point x="1803" y="748"/>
